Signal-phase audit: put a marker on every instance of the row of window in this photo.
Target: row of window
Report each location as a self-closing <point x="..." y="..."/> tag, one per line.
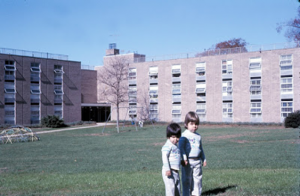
<point x="35" y="90"/>
<point x="255" y="87"/>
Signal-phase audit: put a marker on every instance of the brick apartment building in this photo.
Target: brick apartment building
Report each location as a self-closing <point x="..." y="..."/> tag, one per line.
<point x="35" y="85"/>
<point x="222" y="86"/>
<point x="261" y="85"/>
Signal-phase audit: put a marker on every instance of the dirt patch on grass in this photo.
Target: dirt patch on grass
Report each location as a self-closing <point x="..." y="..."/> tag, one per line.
<point x="242" y="126"/>
<point x="224" y="137"/>
<point x="240" y="141"/>
<point x="96" y="134"/>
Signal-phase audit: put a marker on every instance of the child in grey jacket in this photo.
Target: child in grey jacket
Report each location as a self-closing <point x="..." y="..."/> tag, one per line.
<point x="171" y="160"/>
<point x="193" y="156"/>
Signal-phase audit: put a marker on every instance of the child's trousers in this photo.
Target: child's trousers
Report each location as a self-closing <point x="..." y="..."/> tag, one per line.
<point x="192" y="178"/>
<point x="172" y="183"/>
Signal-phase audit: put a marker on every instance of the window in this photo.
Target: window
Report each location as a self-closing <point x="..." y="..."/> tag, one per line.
<point x="35" y="92"/>
<point x="286" y="62"/>
<point x="176" y="112"/>
<point x="9" y="117"/>
<point x="153" y="71"/>
<point x="9" y="67"/>
<point x="9" y="90"/>
<point x="227" y="110"/>
<point x="286" y="108"/>
<point x="200" y="68"/>
<point x="227" y="88"/>
<point x="35" y="89"/>
<point x="153" y="91"/>
<point x="58" y="90"/>
<point x="9" y="75"/>
<point x="255" y="64"/>
<point x="176" y="109"/>
<point x="255" y="109"/>
<point x="35" y="67"/>
<point x="58" y="111"/>
<point x="9" y="87"/>
<point x="201" y="108"/>
<point x="153" y="111"/>
<point x="132" y="90"/>
<point x="153" y="75"/>
<point x="9" y="62"/>
<point x="227" y="67"/>
<point x="132" y="73"/>
<point x="35" y="114"/>
<point x="255" y="86"/>
<point x="58" y="69"/>
<point x="286" y="85"/>
<point x="132" y="111"/>
<point x="176" y="88"/>
<point x="176" y="69"/>
<point x="200" y="87"/>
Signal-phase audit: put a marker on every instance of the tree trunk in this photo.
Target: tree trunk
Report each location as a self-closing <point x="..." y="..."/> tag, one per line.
<point x="118" y="118"/>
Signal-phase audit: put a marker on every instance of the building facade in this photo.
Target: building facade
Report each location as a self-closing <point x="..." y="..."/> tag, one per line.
<point x="258" y="86"/>
<point x="34" y="86"/>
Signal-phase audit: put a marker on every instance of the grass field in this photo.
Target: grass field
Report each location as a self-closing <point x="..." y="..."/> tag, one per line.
<point x="241" y="161"/>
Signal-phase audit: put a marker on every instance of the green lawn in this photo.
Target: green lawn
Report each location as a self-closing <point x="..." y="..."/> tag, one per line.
<point x="241" y="161"/>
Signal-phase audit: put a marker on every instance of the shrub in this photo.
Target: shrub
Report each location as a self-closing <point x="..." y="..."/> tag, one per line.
<point x="292" y="120"/>
<point x="52" y="121"/>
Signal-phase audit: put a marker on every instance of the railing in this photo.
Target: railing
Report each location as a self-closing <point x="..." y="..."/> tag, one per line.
<point x="87" y="67"/>
<point x="250" y="48"/>
<point x="33" y="54"/>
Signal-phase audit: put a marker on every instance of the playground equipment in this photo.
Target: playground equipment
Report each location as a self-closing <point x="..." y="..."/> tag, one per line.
<point x="17" y="133"/>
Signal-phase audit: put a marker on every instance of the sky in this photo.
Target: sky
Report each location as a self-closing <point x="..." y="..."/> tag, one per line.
<point x="83" y="29"/>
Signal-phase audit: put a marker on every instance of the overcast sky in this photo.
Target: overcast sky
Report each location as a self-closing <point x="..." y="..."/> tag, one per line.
<point x="83" y="29"/>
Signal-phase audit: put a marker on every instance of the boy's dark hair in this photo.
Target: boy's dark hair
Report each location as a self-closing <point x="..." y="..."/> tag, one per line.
<point x="173" y="129"/>
<point x="191" y="117"/>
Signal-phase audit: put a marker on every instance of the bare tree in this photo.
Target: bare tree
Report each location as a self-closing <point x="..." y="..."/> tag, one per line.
<point x="113" y="78"/>
<point x="145" y="110"/>
<point x="293" y="28"/>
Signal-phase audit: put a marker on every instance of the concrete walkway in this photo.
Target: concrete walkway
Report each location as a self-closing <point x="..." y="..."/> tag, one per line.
<point x="67" y="129"/>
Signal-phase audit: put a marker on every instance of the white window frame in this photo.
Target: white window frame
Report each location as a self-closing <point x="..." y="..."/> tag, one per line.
<point x="132" y="73"/>
<point x="201" y="68"/>
<point x="200" y="87"/>
<point x="35" y="67"/>
<point x="176" y="87"/>
<point x="35" y="92"/>
<point x="153" y="90"/>
<point x="58" y="69"/>
<point x="227" y="109"/>
<point x="286" y="62"/>
<point x="201" y="108"/>
<point x="227" y="67"/>
<point x="286" y="105"/>
<point x="10" y="90"/>
<point x="132" y="90"/>
<point x="58" y="90"/>
<point x="284" y="81"/>
<point x="10" y="67"/>
<point x="176" y="109"/>
<point x="255" y="64"/>
<point x="176" y="69"/>
<point x="227" y="88"/>
<point x="153" y="71"/>
<point x="255" y="109"/>
<point x="256" y="85"/>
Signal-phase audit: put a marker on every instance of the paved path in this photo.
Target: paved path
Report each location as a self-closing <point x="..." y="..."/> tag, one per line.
<point x="67" y="129"/>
